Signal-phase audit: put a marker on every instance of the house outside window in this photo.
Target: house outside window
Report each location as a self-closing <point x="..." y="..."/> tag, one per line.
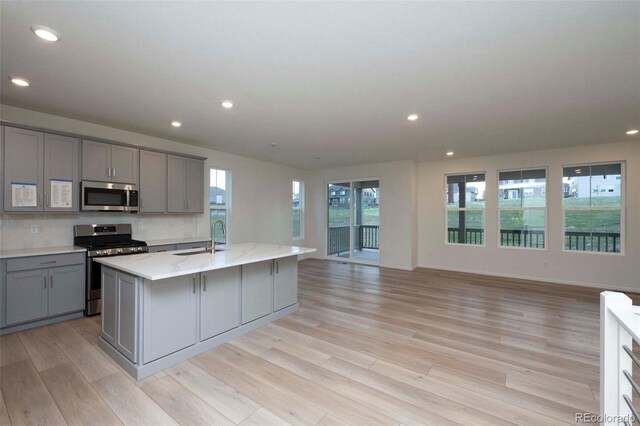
<point x="522" y="204"/>
<point x="220" y="201"/>
<point x="465" y="204"/>
<point x="593" y="208"/>
<point x="298" y="209"/>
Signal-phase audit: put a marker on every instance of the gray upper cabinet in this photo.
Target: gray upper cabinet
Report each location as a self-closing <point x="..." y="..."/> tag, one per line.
<point x="185" y="185"/>
<point x="23" y="165"/>
<point x="106" y="162"/>
<point x="285" y="282"/>
<point x="219" y="301"/>
<point x="153" y="182"/>
<point x="257" y="282"/>
<point x="96" y="161"/>
<point x="1" y="164"/>
<point x="61" y="163"/>
<point x="195" y="186"/>
<point x="124" y="164"/>
<point x="176" y="184"/>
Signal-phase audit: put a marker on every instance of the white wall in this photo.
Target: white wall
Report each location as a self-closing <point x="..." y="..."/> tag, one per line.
<point x="552" y="264"/>
<point x="398" y="214"/>
<point x="261" y="195"/>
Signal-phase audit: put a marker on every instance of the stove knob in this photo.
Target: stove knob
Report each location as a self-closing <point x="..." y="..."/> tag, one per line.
<point x="119" y="250"/>
<point x="139" y="249"/>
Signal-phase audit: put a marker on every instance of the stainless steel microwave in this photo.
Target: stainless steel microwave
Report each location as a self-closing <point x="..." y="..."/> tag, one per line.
<point x="105" y="196"/>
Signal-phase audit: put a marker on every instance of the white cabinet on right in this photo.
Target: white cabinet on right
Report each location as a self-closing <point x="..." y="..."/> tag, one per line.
<point x="285" y="282"/>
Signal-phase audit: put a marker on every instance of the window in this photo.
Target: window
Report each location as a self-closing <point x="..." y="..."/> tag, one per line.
<point x="522" y="203"/>
<point x="219" y="201"/>
<point x="465" y="196"/>
<point x="593" y="206"/>
<point x="298" y="210"/>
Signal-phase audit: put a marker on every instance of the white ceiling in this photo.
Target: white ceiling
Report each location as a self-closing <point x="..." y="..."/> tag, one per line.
<point x="335" y="80"/>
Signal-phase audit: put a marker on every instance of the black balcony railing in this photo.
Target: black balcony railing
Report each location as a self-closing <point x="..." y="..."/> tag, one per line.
<point x="574" y="241"/>
<point x="367" y="237"/>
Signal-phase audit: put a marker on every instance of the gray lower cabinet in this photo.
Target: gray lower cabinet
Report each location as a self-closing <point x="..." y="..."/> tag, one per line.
<point x="199" y="244"/>
<point x="257" y="282"/>
<point x="164" y="247"/>
<point x="66" y="289"/>
<point x="219" y="301"/>
<point x="153" y="182"/>
<point x="26" y="296"/>
<point x="285" y="282"/>
<point x="169" y="312"/>
<point x="34" y="289"/>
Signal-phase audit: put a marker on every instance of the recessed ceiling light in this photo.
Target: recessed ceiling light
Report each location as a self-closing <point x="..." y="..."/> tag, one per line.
<point x="227" y="104"/>
<point x="412" y="117"/>
<point x="273" y="145"/>
<point x="633" y="132"/>
<point x="19" y="81"/>
<point x="450" y="153"/>
<point x="45" y="33"/>
<point x="316" y="158"/>
<point x="176" y="123"/>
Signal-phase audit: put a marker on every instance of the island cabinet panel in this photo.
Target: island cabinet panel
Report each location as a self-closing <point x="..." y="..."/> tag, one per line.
<point x="23" y="164"/>
<point x="127" y="301"/>
<point x="169" y="315"/>
<point x="109" y="311"/>
<point x="257" y="286"/>
<point x="153" y="182"/>
<point x="285" y="282"/>
<point x="66" y="289"/>
<point x="219" y="301"/>
<point x="26" y="295"/>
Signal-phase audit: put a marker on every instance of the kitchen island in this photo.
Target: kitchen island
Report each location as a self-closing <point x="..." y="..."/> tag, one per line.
<point x="159" y="309"/>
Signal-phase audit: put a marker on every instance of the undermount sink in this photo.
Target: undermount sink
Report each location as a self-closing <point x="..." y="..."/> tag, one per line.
<point x="191" y="253"/>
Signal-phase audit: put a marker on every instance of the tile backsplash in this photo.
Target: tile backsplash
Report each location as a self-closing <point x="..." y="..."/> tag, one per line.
<point x="20" y="231"/>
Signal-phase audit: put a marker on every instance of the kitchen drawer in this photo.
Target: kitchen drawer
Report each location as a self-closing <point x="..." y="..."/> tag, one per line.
<point x="37" y="262"/>
<point x="166" y="247"/>
<point x="201" y="244"/>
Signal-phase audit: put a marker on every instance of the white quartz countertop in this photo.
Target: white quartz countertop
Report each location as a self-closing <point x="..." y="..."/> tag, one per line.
<point x="42" y="251"/>
<point x="178" y="240"/>
<point x="157" y="266"/>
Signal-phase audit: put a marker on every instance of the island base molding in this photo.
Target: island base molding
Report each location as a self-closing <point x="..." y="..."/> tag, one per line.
<point x="140" y="372"/>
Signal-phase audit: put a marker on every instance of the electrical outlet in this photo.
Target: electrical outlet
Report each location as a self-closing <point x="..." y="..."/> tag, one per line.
<point x="545" y="264"/>
<point x="34" y="229"/>
<point x="140" y="224"/>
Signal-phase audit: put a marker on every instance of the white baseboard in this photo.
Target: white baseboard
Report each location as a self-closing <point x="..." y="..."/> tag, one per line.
<point x="532" y="278"/>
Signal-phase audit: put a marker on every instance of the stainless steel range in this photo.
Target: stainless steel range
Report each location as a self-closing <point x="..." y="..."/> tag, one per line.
<point x="102" y="241"/>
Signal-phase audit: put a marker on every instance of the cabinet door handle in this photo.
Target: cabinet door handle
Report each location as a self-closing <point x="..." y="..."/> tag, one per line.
<point x="50" y="281"/>
<point x="204" y="283"/>
<point x="277" y="268"/>
<point x="194" y="285"/>
<point x="48" y="263"/>
<point x="108" y="171"/>
<point x="271" y="268"/>
<point x="45" y="281"/>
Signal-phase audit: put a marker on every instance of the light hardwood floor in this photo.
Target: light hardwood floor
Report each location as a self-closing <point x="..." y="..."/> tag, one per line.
<point x="368" y="346"/>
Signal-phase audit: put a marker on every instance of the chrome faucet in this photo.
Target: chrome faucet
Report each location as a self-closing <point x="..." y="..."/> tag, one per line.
<point x="213" y="230"/>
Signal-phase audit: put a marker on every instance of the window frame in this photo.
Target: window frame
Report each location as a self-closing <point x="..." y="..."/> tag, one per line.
<point x="622" y="208"/>
<point x="300" y="209"/>
<point x="545" y="209"/>
<point x="227" y="205"/>
<point x="447" y="210"/>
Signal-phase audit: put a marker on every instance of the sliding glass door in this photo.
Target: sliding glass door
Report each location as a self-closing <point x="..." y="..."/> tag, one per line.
<point x="353" y="220"/>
